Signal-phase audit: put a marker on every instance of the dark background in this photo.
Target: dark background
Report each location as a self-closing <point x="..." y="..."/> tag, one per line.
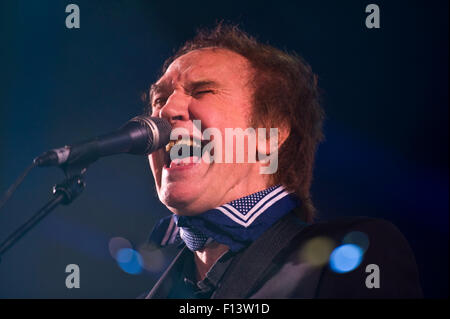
<point x="385" y="94"/>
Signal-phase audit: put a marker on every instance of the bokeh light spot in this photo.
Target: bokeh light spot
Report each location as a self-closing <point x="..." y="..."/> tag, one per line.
<point x="153" y="259"/>
<point x="357" y="238"/>
<point x="116" y="244"/>
<point x="129" y="261"/>
<point x="317" y="250"/>
<point x="346" y="258"/>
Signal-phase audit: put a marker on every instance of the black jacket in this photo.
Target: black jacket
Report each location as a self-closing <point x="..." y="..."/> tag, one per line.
<point x="277" y="265"/>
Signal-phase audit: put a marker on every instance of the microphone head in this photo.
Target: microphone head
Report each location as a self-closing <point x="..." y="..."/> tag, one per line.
<point x="159" y="131"/>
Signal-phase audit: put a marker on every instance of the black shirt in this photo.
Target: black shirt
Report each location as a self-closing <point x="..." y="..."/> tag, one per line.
<point x="186" y="285"/>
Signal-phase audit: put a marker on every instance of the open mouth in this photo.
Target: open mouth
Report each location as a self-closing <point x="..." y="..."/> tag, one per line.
<point x="188" y="150"/>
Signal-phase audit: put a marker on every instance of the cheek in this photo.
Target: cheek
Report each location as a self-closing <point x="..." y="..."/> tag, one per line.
<point x="222" y="111"/>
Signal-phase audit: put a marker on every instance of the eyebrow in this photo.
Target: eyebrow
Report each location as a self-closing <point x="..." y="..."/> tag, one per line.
<point x="194" y="85"/>
<point x="158" y="88"/>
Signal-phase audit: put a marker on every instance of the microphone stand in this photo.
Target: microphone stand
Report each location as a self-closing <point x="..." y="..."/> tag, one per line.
<point x="63" y="193"/>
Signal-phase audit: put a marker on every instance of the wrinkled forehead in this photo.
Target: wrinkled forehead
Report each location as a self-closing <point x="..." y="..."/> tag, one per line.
<point x="212" y="63"/>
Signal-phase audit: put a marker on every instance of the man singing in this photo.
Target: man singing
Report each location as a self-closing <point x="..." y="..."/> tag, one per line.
<point x="245" y="227"/>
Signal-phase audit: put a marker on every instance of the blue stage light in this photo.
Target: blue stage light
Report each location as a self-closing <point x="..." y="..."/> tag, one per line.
<point x="129" y="261"/>
<point x="346" y="258"/>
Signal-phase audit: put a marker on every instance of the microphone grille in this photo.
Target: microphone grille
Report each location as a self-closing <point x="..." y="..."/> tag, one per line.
<point x="159" y="129"/>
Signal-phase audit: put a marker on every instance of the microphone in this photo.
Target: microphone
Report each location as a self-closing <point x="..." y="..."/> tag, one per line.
<point x="141" y="135"/>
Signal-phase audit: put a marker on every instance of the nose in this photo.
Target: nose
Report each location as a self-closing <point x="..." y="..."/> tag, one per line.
<point x="176" y="108"/>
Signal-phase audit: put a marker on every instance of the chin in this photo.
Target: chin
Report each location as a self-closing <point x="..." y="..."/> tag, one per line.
<point x="181" y="201"/>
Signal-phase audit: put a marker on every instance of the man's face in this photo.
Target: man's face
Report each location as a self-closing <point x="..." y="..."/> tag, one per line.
<point x="210" y="85"/>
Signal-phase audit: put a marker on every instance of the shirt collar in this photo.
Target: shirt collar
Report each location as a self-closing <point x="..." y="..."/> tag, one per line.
<point x="235" y="224"/>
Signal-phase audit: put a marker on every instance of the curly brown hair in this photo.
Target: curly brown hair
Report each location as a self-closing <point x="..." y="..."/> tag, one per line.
<point x="285" y="93"/>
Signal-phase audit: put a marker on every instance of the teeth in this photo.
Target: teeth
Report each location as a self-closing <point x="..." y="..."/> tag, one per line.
<point x="169" y="146"/>
<point x="188" y="142"/>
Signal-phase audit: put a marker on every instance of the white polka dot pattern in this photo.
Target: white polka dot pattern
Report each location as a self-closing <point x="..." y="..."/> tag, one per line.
<point x="244" y="204"/>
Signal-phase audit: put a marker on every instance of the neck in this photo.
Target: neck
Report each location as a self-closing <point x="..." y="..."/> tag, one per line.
<point x="205" y="259"/>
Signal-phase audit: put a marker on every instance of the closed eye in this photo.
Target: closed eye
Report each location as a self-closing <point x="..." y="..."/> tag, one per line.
<point x="201" y="92"/>
<point x="158" y="102"/>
